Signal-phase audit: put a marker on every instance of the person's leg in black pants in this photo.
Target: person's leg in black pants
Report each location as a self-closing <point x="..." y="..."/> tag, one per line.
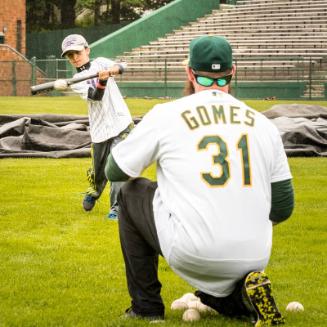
<point x="231" y="306"/>
<point x="140" y="246"/>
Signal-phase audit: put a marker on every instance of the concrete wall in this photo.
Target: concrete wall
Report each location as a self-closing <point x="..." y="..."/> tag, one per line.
<point x="243" y="90"/>
<point x="153" y="26"/>
<point x="262" y="90"/>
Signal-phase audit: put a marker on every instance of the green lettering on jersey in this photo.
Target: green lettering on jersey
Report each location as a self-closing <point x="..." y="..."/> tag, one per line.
<point x="244" y="147"/>
<point x="203" y="114"/>
<point x="218" y="114"/>
<point x="234" y="115"/>
<point x="190" y="120"/>
<point x="250" y="118"/>
<point x="219" y="159"/>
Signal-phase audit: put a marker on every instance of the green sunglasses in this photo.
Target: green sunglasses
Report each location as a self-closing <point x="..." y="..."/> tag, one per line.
<point x="208" y="81"/>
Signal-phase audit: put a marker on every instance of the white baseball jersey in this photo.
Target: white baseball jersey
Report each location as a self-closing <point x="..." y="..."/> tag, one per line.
<point x="109" y="116"/>
<point x="216" y="160"/>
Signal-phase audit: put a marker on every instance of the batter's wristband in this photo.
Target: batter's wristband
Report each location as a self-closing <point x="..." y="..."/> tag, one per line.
<point x="100" y="86"/>
<point x="103" y="82"/>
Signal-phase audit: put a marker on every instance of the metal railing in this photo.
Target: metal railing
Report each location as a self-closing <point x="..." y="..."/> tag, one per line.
<point x="17" y="76"/>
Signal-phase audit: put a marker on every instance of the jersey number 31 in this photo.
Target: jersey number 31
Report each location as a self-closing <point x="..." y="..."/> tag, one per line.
<point x="221" y="159"/>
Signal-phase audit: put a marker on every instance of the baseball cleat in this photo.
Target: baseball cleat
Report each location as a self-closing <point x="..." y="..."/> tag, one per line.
<point x="88" y="202"/>
<point x="257" y="287"/>
<point x="130" y="313"/>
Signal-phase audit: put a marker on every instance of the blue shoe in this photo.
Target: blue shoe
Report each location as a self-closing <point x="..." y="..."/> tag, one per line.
<point x="113" y="215"/>
<point x="88" y="202"/>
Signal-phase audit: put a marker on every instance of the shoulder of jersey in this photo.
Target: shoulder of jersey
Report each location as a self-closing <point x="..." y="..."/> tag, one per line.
<point x="102" y="61"/>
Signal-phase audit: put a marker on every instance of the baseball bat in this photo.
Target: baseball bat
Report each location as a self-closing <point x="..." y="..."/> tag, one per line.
<point x="50" y="85"/>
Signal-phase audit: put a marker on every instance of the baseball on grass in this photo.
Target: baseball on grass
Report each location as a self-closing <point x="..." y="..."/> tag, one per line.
<point x="194" y="305"/>
<point x="187" y="297"/>
<point x="178" y="305"/>
<point x="191" y="315"/>
<point x="198" y="305"/>
<point x="294" y="307"/>
<point x="60" y="85"/>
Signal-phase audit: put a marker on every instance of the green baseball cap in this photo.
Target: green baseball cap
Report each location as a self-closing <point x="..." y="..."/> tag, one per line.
<point x="210" y="54"/>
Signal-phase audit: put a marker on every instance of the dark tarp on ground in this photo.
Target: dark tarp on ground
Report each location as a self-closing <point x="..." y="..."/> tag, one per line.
<point x="44" y="136"/>
<point x="303" y="129"/>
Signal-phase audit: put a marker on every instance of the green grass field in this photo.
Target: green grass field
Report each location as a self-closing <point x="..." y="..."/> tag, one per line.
<point x="76" y="106"/>
<point x="61" y="266"/>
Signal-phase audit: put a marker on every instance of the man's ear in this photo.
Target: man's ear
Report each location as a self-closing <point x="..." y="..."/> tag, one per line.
<point x="190" y="74"/>
<point x="87" y="51"/>
<point x="234" y="69"/>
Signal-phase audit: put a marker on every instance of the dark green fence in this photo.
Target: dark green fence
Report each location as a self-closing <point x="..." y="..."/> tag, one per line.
<point x="48" y="43"/>
<point x="279" y="78"/>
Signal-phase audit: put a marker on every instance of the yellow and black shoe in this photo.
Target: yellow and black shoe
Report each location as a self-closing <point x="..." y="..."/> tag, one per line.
<point x="91" y="178"/>
<point x="257" y="289"/>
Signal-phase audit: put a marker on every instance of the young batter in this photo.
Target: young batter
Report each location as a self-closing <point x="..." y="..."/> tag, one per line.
<point x="223" y="181"/>
<point x="109" y="117"/>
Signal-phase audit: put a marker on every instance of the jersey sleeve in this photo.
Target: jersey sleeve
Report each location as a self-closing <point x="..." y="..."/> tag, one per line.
<point x="281" y="170"/>
<point x="140" y="148"/>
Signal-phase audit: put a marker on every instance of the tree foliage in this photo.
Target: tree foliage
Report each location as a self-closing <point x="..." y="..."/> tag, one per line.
<point x="57" y="14"/>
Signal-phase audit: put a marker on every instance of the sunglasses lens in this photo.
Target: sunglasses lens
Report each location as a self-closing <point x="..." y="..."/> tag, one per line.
<point x="225" y="80"/>
<point x="221" y="82"/>
<point x="204" y="81"/>
<point x="208" y="81"/>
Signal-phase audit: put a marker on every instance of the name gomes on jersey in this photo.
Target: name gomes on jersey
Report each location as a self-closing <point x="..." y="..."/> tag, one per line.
<point x="217" y="114"/>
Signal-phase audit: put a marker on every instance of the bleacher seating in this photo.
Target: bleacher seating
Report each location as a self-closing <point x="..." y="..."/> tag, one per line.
<point x="270" y="38"/>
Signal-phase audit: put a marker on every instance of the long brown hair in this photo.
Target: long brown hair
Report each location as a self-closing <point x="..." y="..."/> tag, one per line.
<point x="188" y="88"/>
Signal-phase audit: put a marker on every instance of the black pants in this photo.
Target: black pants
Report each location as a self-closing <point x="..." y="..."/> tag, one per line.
<point x="140" y="246"/>
<point x="96" y="174"/>
<point x="232" y="306"/>
<point x="98" y="179"/>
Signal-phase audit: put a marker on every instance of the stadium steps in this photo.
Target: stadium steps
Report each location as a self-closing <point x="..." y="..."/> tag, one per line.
<point x="288" y="34"/>
<point x="316" y="89"/>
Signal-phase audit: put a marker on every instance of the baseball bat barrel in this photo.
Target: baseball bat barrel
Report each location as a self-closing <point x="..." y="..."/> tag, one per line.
<point x="42" y="87"/>
<point x="50" y="85"/>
